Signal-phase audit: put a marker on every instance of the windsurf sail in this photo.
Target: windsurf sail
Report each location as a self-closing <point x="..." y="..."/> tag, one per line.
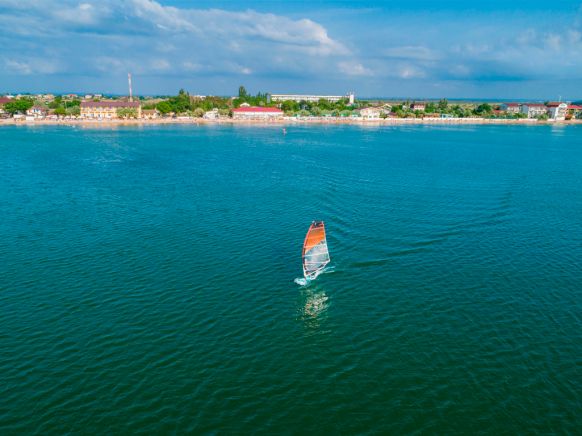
<point x="315" y="253"/>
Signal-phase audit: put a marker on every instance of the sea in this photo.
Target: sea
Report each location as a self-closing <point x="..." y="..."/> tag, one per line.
<point x="147" y="280"/>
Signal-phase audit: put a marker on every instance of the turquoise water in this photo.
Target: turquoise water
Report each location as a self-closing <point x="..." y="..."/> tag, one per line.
<point x="147" y="280"/>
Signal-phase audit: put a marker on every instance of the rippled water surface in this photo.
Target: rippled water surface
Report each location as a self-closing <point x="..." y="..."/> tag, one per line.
<point x="147" y="280"/>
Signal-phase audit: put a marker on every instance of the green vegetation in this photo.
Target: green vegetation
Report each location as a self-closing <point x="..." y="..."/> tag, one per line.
<point x="183" y="103"/>
<point x="127" y="112"/>
<point x="20" y="105"/>
<point x="63" y="107"/>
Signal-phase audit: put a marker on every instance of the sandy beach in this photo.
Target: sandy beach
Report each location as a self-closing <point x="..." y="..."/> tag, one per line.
<point x="283" y="121"/>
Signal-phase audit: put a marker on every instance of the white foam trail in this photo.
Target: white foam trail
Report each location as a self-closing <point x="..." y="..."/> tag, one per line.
<point x="302" y="281"/>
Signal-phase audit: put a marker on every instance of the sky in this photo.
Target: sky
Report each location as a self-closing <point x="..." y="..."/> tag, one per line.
<point x="510" y="49"/>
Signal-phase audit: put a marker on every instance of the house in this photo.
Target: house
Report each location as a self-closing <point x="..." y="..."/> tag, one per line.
<point x="257" y="113"/>
<point x="372" y="113"/>
<point x="533" y="110"/>
<point x="418" y="106"/>
<point x="557" y="110"/>
<point x="575" y="110"/>
<point x="3" y="101"/>
<point x="37" y="112"/>
<point x="107" y="109"/>
<point x="510" y="108"/>
<point x="211" y="115"/>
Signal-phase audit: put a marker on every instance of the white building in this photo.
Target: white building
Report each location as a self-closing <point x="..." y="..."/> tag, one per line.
<point x="257" y="113"/>
<point x="510" y="108"/>
<point x="211" y="115"/>
<point x="351" y="97"/>
<point x="557" y="110"/>
<point x="372" y="113"/>
<point x="533" y="110"/>
<point x="36" y="112"/>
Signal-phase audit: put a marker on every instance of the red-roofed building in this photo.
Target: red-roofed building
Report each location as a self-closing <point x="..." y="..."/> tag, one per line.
<point x="510" y="108"/>
<point x="557" y="110"/>
<point x="418" y="106"/>
<point x="256" y="113"/>
<point x="3" y="101"/>
<point x="533" y="110"/>
<point x="575" y="110"/>
<point x="107" y="109"/>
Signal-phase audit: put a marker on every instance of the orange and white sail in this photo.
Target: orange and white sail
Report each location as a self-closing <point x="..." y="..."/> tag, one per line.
<point x="315" y="252"/>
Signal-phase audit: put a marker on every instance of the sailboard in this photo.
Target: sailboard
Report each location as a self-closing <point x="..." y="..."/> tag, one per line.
<point x="315" y="252"/>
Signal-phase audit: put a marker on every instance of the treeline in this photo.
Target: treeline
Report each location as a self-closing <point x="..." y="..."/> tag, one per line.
<point x="65" y="107"/>
<point x="185" y="104"/>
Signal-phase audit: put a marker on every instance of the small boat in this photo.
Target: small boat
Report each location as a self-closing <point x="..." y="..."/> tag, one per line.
<point x="315" y="253"/>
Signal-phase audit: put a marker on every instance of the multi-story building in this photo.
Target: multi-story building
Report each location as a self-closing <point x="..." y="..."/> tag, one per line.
<point x="256" y="113"/>
<point x="37" y="112"/>
<point x="373" y="113"/>
<point x="510" y="108"/>
<point x="351" y="97"/>
<point x="107" y="109"/>
<point x="557" y="110"/>
<point x="418" y="106"/>
<point x="533" y="110"/>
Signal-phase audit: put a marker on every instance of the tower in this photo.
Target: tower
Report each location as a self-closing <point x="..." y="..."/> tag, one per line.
<point x="129" y="83"/>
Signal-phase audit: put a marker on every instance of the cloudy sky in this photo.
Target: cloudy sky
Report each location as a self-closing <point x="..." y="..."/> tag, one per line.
<point x="486" y="49"/>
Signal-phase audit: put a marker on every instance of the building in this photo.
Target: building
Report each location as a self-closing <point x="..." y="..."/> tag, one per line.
<point x="3" y="101"/>
<point x="211" y="115"/>
<point x="418" y="106"/>
<point x="107" y="109"/>
<point x="257" y="113"/>
<point x="150" y="114"/>
<point x="37" y="112"/>
<point x="533" y="110"/>
<point x="351" y="97"/>
<point x="372" y="113"/>
<point x="510" y="108"/>
<point x="575" y="110"/>
<point x="557" y="110"/>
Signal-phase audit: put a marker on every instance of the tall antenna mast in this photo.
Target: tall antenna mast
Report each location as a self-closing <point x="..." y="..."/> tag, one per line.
<point x="129" y="82"/>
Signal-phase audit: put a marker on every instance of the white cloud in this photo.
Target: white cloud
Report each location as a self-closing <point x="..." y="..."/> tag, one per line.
<point x="29" y="66"/>
<point x="354" y="69"/>
<point x="411" y="52"/>
<point x="410" y="72"/>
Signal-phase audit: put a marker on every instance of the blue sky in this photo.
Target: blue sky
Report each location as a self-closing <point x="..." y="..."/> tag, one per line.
<point x="458" y="49"/>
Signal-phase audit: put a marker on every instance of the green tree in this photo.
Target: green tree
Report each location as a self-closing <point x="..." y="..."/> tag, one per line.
<point x="73" y="110"/>
<point x="483" y="109"/>
<point x="198" y="112"/>
<point x="60" y="111"/>
<point x="127" y="112"/>
<point x="19" y="105"/>
<point x="443" y="105"/>
<point x="242" y="92"/>
<point x="164" y="107"/>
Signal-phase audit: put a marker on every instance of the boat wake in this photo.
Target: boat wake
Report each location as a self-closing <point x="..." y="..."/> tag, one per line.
<point x="303" y="281"/>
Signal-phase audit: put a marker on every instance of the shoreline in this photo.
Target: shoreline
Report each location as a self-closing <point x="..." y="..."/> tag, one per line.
<point x="287" y="121"/>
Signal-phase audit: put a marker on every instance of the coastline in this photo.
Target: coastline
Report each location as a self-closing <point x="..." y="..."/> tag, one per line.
<point x="287" y="121"/>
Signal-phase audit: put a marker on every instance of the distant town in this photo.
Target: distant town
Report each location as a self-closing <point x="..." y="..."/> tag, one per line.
<point x="270" y="107"/>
